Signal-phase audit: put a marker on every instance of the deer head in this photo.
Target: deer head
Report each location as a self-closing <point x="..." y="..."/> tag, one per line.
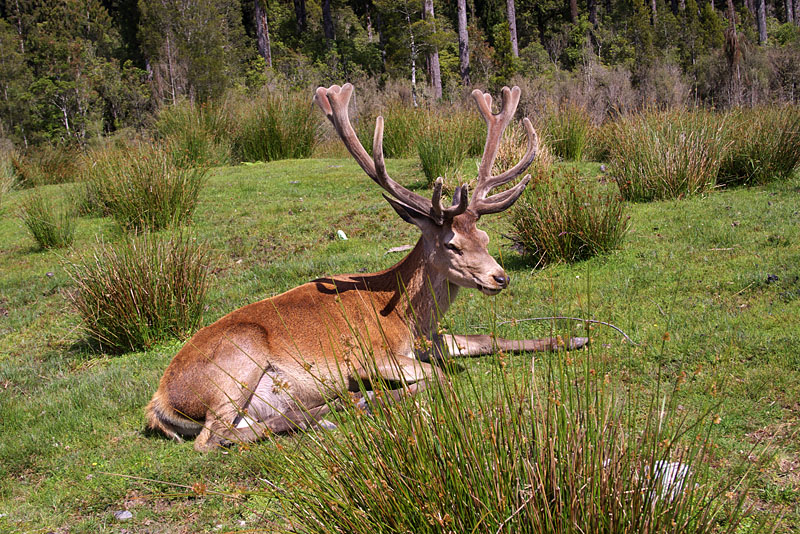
<point x="453" y="245"/>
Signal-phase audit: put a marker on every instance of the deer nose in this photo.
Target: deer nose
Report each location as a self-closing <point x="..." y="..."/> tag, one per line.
<point x="502" y="280"/>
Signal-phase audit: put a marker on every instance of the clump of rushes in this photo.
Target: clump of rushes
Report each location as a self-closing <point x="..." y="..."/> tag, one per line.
<point x="199" y="133"/>
<point x="568" y="219"/>
<point x="403" y="126"/>
<point x="765" y="146"/>
<point x="142" y="290"/>
<point x="529" y="452"/>
<point x="669" y="154"/>
<point x="8" y="178"/>
<point x="143" y="187"/>
<point x="513" y="147"/>
<point x="567" y="130"/>
<point x="442" y="148"/>
<point x="275" y="127"/>
<point x="45" y="165"/>
<point x="49" y="225"/>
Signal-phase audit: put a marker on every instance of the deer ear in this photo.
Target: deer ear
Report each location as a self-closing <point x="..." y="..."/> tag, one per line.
<point x="409" y="214"/>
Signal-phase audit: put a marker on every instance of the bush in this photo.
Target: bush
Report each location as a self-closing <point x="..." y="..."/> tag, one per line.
<point x="142" y="290"/>
<point x="46" y="165"/>
<point x="276" y="127"/>
<point x="567" y="132"/>
<point x="199" y="134"/>
<point x="659" y="155"/>
<point x="764" y="146"/>
<point x="531" y="452"/>
<point x="568" y="220"/>
<point x="142" y="187"/>
<point x="50" y="227"/>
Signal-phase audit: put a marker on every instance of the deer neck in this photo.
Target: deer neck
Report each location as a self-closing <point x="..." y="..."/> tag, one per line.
<point x="427" y="294"/>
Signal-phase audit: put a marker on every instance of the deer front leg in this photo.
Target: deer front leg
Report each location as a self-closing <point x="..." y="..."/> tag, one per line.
<point x="480" y="345"/>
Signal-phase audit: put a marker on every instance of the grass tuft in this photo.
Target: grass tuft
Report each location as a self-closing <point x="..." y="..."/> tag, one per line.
<point x="45" y="165"/>
<point x="142" y="290"/>
<point x="568" y="131"/>
<point x="540" y="450"/>
<point x="661" y="155"/>
<point x="199" y="133"/>
<point x="568" y="219"/>
<point x="765" y="146"/>
<point x="275" y="127"/>
<point x="50" y="226"/>
<point x="142" y="187"/>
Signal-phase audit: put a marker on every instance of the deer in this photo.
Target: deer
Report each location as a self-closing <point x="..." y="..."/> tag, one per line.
<point x="273" y="366"/>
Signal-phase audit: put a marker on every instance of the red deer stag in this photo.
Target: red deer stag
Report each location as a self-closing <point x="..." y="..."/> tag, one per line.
<point x="276" y="364"/>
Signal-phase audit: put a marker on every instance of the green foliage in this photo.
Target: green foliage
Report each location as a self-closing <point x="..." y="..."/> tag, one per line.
<point x="532" y="450"/>
<point x="402" y="128"/>
<point x="658" y="155"/>
<point x="504" y="61"/>
<point x="45" y="165"/>
<point x="276" y="126"/>
<point x="199" y="133"/>
<point x="446" y="142"/>
<point x="567" y="130"/>
<point x="50" y="227"/>
<point x="764" y="146"/>
<point x="143" y="187"/>
<point x="568" y="219"/>
<point x="141" y="291"/>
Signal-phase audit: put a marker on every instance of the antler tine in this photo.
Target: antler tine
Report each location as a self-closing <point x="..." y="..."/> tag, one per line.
<point x="496" y="125"/>
<point x="334" y="102"/>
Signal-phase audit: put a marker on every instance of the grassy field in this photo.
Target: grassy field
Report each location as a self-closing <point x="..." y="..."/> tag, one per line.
<point x="708" y="288"/>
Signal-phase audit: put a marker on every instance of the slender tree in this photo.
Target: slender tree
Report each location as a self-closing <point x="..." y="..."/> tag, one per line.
<point x="761" y="18"/>
<point x="300" y="15"/>
<point x="433" y="56"/>
<point x="262" y="33"/>
<point x="591" y="6"/>
<point x="573" y="11"/>
<point x="789" y="8"/>
<point x="512" y="26"/>
<point x="463" y="42"/>
<point x="327" y="22"/>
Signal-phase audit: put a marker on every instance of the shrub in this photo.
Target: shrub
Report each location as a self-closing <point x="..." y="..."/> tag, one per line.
<point x="526" y="453"/>
<point x="568" y="220"/>
<point x="50" y="226"/>
<point x="142" y="290"/>
<point x="659" y="155"/>
<point x="45" y="165"/>
<point x="765" y="146"/>
<point x="567" y="132"/>
<point x="199" y="133"/>
<point x="276" y="127"/>
<point x="142" y="187"/>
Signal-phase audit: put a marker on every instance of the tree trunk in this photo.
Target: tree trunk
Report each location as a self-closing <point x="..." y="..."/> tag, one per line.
<point x="413" y="59"/>
<point x="762" y="22"/>
<point x="262" y="33"/>
<point x="300" y="15"/>
<point x="674" y="6"/>
<point x="463" y="42"/>
<point x="433" y="57"/>
<point x="789" y="7"/>
<point x="512" y="26"/>
<point x="591" y="6"/>
<point x="573" y="11"/>
<point x="654" y="12"/>
<point x="327" y="22"/>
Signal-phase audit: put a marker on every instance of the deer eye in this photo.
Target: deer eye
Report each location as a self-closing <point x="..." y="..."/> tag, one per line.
<point x="450" y="246"/>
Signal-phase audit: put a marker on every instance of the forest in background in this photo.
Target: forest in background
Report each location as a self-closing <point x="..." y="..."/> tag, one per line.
<point x="75" y="70"/>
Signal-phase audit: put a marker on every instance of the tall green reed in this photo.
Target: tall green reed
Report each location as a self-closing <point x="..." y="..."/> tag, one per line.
<point x="567" y="130"/>
<point x="142" y="187"/>
<point x="50" y="225"/>
<point x="142" y="290"/>
<point x="669" y="154"/>
<point x="568" y="219"/>
<point x="198" y="133"/>
<point x="764" y="146"/>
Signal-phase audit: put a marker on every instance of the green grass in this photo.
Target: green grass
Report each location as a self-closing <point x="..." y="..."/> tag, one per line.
<point x="697" y="268"/>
